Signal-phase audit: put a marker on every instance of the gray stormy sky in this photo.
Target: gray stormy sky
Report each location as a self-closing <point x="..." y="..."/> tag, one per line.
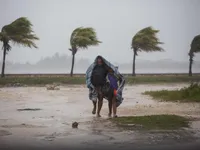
<point x="115" y="21"/>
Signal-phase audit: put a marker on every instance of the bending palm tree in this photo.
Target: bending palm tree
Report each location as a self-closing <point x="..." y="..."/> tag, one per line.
<point x="19" y="32"/>
<point x="145" y="40"/>
<point x="195" y="48"/>
<point x="82" y="38"/>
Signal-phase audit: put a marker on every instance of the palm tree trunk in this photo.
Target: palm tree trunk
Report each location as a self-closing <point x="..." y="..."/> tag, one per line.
<point x="72" y="68"/>
<point x="3" y="63"/>
<point x="134" y="57"/>
<point x="190" y="65"/>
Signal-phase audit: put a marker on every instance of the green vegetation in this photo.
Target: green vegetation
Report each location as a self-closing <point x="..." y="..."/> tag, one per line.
<point x="82" y="38"/>
<point x="195" y="48"/>
<point x="18" y="32"/>
<point x="41" y="80"/>
<point x="161" y="79"/>
<point x="153" y="122"/>
<point x="145" y="40"/>
<point x="186" y="94"/>
<point x="81" y="80"/>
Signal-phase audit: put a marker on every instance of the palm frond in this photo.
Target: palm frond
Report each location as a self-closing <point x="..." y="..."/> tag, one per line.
<point x="6" y="46"/>
<point x="1" y="36"/>
<point x="26" y="40"/>
<point x="146" y="40"/>
<point x="73" y="35"/>
<point x="195" y="45"/>
<point x="84" y="37"/>
<point x="20" y="32"/>
<point x="19" y="26"/>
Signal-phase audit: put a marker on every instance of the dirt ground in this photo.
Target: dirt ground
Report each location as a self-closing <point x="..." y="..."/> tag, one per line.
<point x="50" y="113"/>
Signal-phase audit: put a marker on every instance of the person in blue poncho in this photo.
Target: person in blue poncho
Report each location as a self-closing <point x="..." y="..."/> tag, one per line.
<point x="99" y="87"/>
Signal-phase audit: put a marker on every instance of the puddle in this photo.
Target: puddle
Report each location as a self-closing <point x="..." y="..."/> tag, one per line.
<point x="5" y="133"/>
<point x="22" y="126"/>
<point x="29" y="109"/>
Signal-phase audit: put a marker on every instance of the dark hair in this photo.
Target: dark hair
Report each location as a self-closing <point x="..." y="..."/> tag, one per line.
<point x="110" y="69"/>
<point x="99" y="57"/>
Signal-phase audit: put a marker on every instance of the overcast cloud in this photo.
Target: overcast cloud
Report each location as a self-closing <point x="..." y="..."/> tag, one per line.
<point x="115" y="21"/>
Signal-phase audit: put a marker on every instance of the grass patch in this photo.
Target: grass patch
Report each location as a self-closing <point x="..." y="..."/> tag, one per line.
<point x="36" y="80"/>
<point x="161" y="79"/>
<point x="186" y="94"/>
<point x="41" y="80"/>
<point x="153" y="122"/>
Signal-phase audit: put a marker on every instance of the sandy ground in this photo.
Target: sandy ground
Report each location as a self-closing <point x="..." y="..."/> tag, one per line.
<point x="50" y="126"/>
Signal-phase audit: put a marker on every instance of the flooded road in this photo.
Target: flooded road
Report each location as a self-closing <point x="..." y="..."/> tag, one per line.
<point x="36" y="117"/>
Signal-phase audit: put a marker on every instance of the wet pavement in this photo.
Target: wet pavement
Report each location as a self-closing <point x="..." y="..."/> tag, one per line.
<point x="36" y="117"/>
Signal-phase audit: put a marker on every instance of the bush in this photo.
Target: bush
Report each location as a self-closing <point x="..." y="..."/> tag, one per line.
<point x="191" y="91"/>
<point x="186" y="94"/>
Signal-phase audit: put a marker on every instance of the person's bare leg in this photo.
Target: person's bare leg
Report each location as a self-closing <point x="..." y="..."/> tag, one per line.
<point x="100" y="103"/>
<point x="110" y="107"/>
<point x="94" y="107"/>
<point x="114" y="105"/>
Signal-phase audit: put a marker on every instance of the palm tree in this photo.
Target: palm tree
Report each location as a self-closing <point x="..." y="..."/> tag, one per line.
<point x="195" y="48"/>
<point x="18" y="32"/>
<point x="82" y="38"/>
<point x="145" y="40"/>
